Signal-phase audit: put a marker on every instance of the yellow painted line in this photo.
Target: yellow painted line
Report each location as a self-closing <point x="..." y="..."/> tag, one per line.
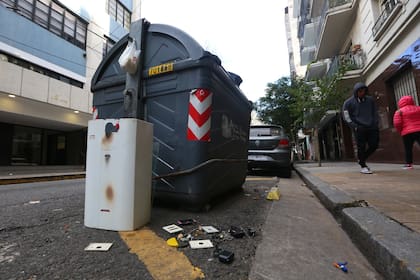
<point x="260" y="178"/>
<point x="162" y="261"/>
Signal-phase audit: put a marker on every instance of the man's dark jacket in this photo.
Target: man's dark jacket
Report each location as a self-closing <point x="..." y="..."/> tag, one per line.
<point x="360" y="112"/>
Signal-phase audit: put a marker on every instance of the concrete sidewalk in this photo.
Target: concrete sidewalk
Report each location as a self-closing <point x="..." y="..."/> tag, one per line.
<point x="379" y="211"/>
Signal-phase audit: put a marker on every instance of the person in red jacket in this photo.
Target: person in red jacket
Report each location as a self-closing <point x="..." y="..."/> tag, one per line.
<point x="407" y="123"/>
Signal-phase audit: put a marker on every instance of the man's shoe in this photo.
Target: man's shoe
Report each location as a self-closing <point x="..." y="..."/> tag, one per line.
<point x="408" y="167"/>
<point x="365" y="170"/>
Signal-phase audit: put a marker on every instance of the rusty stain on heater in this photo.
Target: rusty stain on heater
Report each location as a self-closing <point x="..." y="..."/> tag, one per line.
<point x="106" y="141"/>
<point x="109" y="193"/>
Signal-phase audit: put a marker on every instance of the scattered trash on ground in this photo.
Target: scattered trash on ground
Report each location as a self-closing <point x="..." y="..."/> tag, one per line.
<point x="341" y="265"/>
<point x="209" y="229"/>
<point x="236" y="232"/>
<point x="204" y="237"/>
<point x="273" y="194"/>
<point x="173" y="242"/>
<point x="98" y="247"/>
<point x="224" y="256"/>
<point x="186" y="222"/>
<point x="251" y="232"/>
<point x="172" y="228"/>
<point x="201" y="244"/>
<point x="34" y="202"/>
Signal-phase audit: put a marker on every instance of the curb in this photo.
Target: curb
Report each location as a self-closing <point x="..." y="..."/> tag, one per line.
<point x="391" y="248"/>
<point x="333" y="199"/>
<point x="40" y="178"/>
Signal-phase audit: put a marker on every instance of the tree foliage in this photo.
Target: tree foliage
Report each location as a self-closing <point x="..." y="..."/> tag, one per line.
<point x="274" y="107"/>
<point x="295" y="103"/>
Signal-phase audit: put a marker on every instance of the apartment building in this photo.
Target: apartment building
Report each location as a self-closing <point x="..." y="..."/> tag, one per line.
<point x="49" y="51"/>
<point x="379" y="40"/>
<point x="297" y="69"/>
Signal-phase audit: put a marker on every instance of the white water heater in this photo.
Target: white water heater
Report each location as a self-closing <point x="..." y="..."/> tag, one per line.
<point x="118" y="174"/>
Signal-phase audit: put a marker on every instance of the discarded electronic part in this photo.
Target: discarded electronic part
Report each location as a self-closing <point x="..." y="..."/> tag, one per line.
<point x="186" y="222"/>
<point x="172" y="228"/>
<point x="201" y="244"/>
<point x="251" y="232"/>
<point x="341" y="265"/>
<point x="209" y="229"/>
<point x="236" y="232"/>
<point x="224" y="256"/>
<point x="184" y="238"/>
<point x="98" y="247"/>
<point x="183" y="244"/>
<point x="224" y="236"/>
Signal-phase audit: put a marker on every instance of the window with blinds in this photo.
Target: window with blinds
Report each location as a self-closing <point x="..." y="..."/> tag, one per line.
<point x="404" y="84"/>
<point x="52" y="15"/>
<point x="119" y="13"/>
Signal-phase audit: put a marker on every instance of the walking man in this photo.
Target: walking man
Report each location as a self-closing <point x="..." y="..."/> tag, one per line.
<point x="361" y="114"/>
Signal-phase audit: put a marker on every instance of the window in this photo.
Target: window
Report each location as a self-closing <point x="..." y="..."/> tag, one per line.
<point x="107" y="46"/>
<point x="404" y="84"/>
<point x="81" y="29"/>
<point x="41" y="13"/>
<point x="389" y="10"/>
<point x="119" y="13"/>
<point x="25" y="8"/>
<point x="26" y="149"/>
<point x="52" y="16"/>
<point x="8" y="4"/>
<point x="69" y="25"/>
<point x="56" y="19"/>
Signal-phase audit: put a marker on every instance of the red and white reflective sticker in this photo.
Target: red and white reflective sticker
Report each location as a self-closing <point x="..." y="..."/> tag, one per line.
<point x="199" y="115"/>
<point x="95" y="113"/>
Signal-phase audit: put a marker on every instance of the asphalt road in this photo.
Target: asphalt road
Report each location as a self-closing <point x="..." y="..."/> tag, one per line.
<point x="42" y="235"/>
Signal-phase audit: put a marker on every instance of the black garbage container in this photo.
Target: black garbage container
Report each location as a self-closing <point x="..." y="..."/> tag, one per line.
<point x="200" y="116"/>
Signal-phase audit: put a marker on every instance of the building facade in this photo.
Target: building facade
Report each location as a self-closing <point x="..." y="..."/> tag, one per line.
<point x="297" y="69"/>
<point x="49" y="51"/>
<point x="380" y="41"/>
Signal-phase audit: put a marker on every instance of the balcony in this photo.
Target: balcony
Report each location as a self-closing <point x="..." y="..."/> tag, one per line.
<point x="353" y="61"/>
<point x="316" y="70"/>
<point x="391" y="9"/>
<point x="307" y="55"/>
<point x="336" y="21"/>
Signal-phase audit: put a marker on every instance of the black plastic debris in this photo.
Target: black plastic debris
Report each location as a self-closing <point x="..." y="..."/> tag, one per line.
<point x="186" y="222"/>
<point x="236" y="232"/>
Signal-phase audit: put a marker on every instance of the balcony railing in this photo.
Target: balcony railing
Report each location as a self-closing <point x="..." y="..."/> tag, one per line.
<point x="352" y="61"/>
<point x="391" y="8"/>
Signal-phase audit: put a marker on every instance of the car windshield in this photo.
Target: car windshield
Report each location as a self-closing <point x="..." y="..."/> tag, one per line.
<point x="265" y="131"/>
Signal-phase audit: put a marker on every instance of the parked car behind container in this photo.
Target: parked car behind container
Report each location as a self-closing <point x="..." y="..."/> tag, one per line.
<point x="269" y="149"/>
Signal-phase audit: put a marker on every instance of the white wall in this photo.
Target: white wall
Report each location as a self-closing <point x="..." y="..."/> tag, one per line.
<point x="35" y="86"/>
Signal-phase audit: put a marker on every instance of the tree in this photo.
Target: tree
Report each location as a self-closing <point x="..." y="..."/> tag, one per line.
<point x="284" y="102"/>
<point x="295" y="103"/>
<point x="274" y="107"/>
